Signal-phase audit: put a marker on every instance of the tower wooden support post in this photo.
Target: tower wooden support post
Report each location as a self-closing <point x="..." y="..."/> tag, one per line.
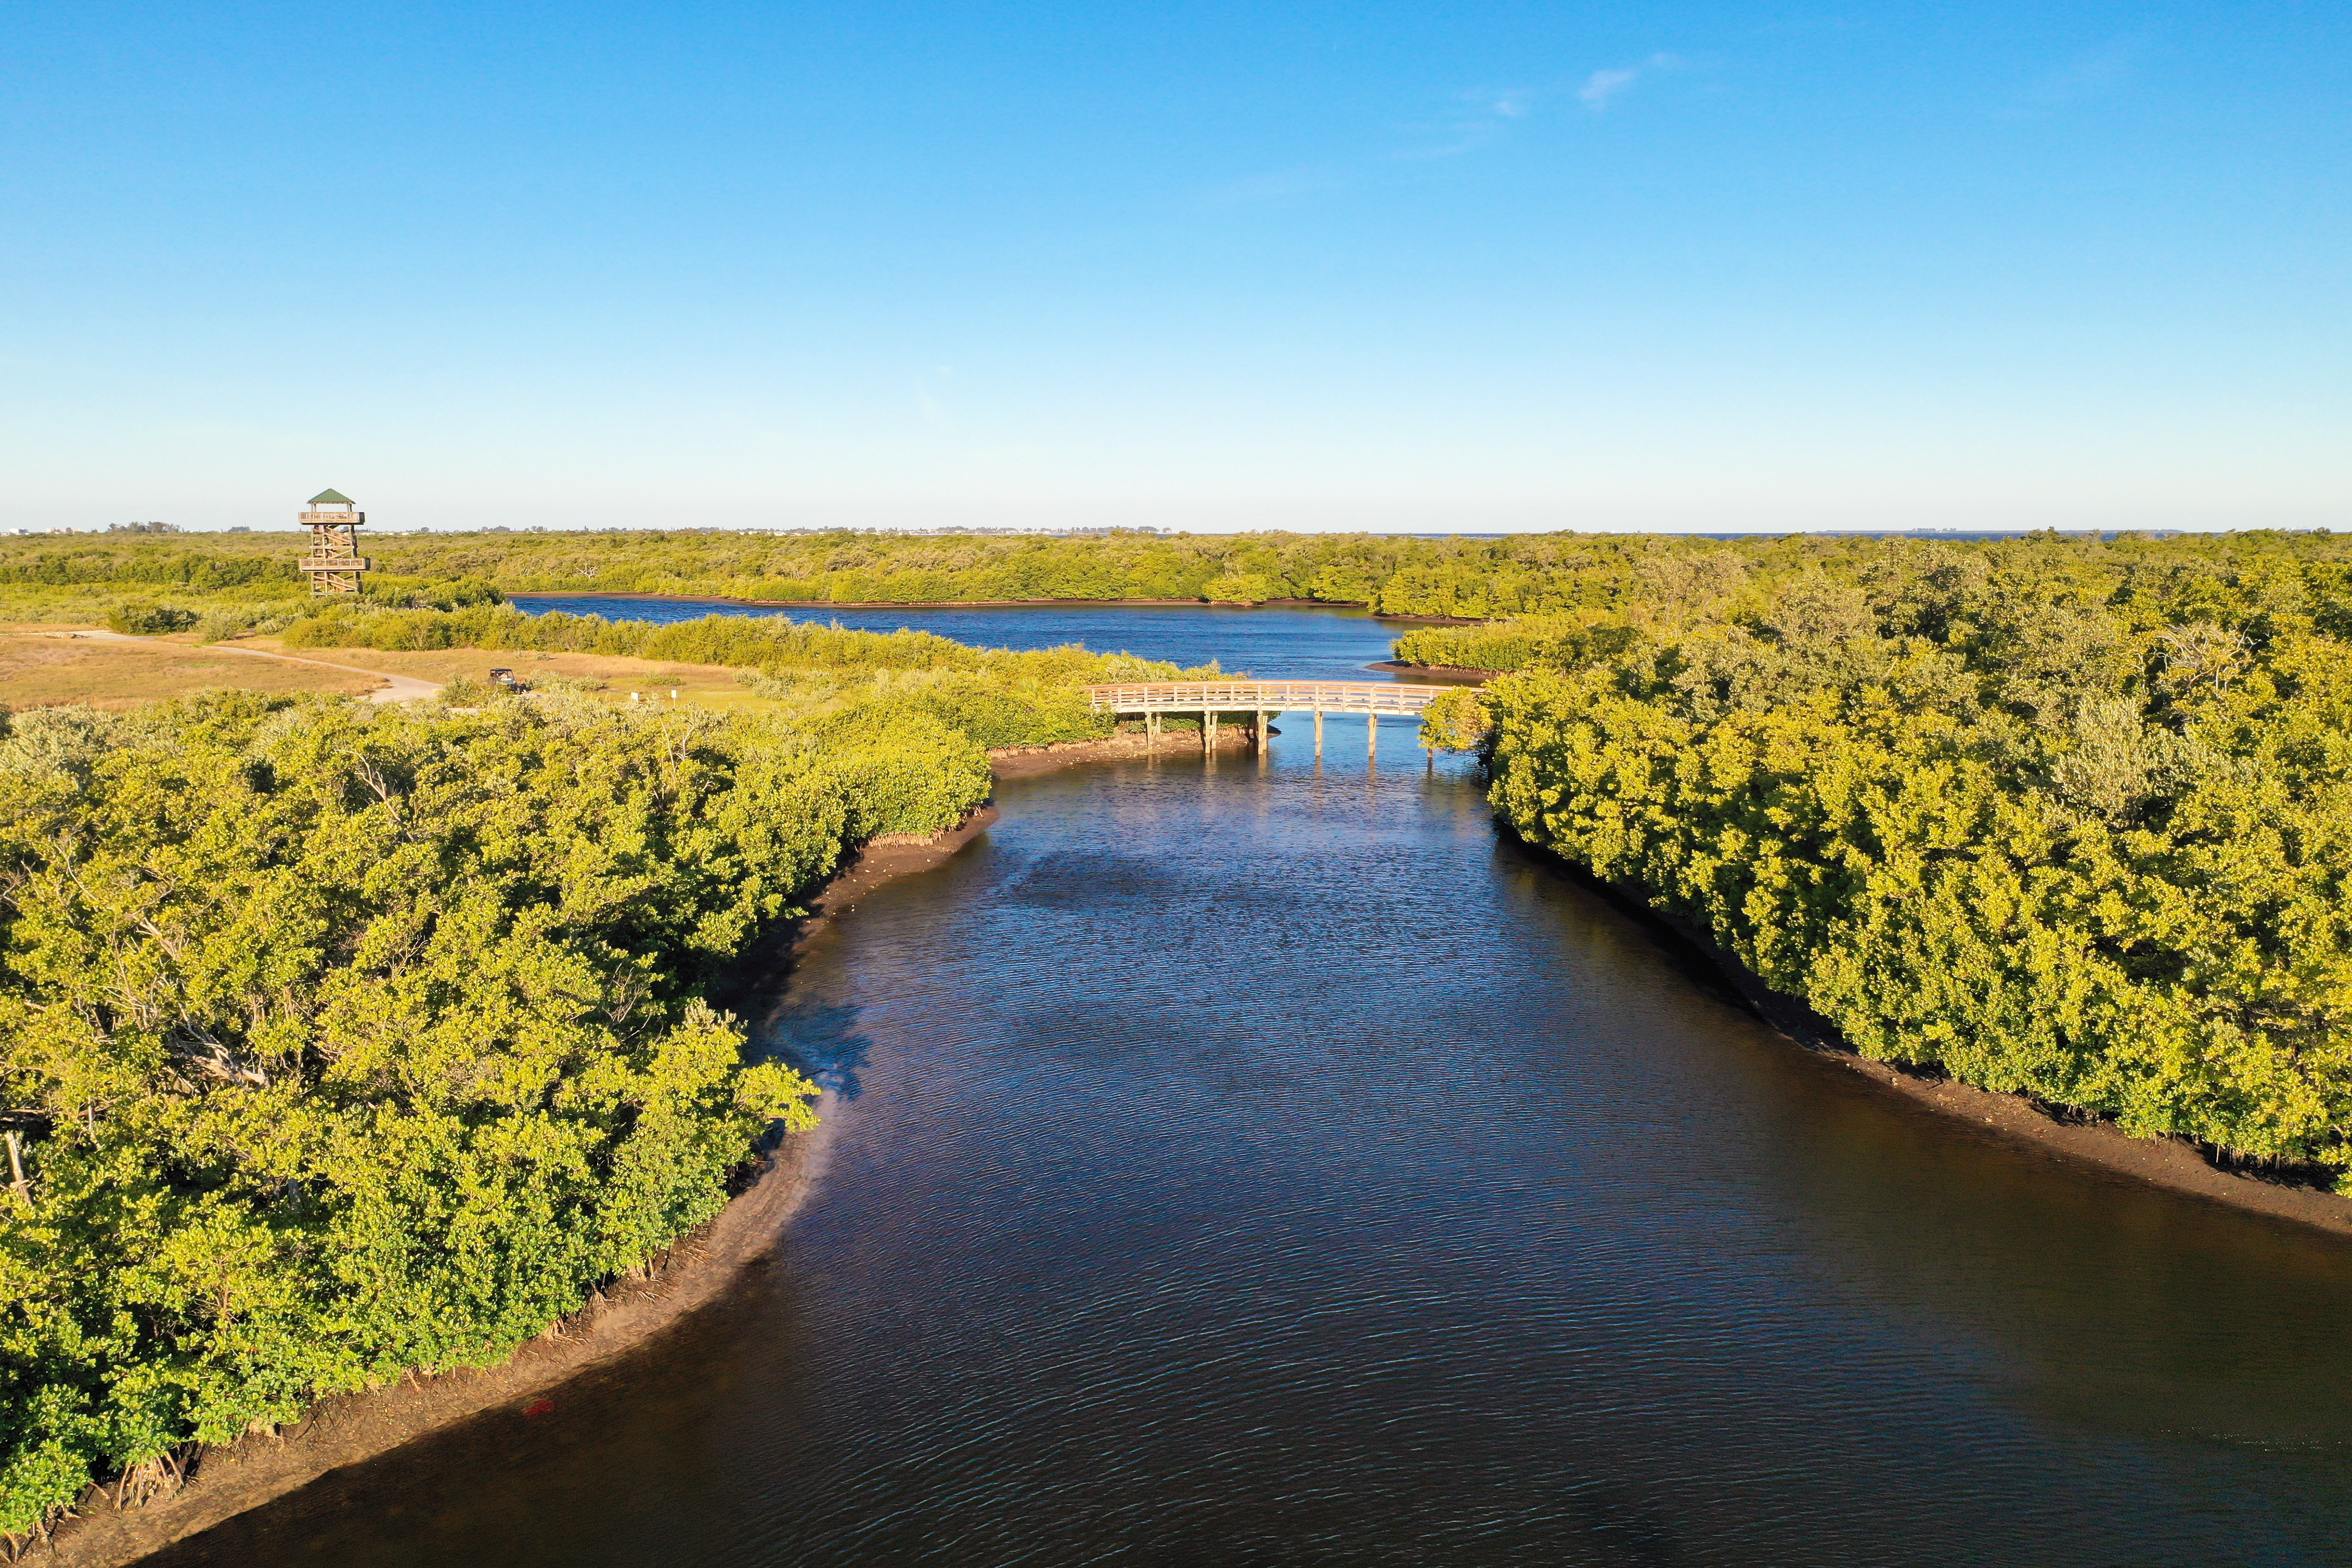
<point x="334" y="564"/>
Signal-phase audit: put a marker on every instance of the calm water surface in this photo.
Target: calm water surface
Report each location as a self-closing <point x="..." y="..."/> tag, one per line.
<point x="1262" y="1164"/>
<point x="1294" y="643"/>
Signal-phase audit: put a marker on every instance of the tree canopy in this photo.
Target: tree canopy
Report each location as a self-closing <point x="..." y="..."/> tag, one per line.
<point x="343" y="1040"/>
<point x="2057" y="816"/>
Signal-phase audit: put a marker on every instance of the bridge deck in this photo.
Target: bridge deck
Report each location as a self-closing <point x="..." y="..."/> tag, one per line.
<point x="1263" y="696"/>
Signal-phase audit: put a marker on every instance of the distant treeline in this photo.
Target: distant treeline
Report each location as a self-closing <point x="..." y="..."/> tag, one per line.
<point x="145" y="565"/>
<point x="1470" y="578"/>
<point x="344" y="1040"/>
<point x="2058" y="816"/>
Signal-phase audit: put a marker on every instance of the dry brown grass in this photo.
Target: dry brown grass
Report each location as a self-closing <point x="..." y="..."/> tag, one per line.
<point x="48" y="665"/>
<point x="43" y="669"/>
<point x="710" y="685"/>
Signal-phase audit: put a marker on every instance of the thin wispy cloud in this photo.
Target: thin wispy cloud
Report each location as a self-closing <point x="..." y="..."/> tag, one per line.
<point x="1606" y="86"/>
<point x="1490" y="113"/>
<point x="2087" y="76"/>
<point x="1485" y="116"/>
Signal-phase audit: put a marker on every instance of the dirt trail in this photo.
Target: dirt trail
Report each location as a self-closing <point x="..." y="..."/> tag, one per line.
<point x="397" y="688"/>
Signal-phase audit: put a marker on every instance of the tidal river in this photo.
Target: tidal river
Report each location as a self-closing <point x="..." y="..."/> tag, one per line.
<point x="1261" y="1163"/>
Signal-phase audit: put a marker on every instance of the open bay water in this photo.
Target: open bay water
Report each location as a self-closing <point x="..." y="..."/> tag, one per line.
<point x="1283" y="642"/>
<point x="1254" y="1162"/>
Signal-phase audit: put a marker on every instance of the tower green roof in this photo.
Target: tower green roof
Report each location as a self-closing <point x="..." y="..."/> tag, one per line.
<point x="330" y="498"/>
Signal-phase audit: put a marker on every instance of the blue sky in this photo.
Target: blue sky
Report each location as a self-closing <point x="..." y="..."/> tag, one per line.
<point x="1374" y="265"/>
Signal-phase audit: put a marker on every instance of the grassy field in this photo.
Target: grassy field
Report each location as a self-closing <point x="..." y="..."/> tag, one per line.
<point x="609" y="679"/>
<point x="44" y="669"/>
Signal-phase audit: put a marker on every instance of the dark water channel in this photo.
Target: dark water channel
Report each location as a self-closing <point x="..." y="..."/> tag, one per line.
<point x="1262" y="1164"/>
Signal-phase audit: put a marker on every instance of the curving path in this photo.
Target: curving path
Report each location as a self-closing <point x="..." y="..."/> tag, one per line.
<point x="397" y="688"/>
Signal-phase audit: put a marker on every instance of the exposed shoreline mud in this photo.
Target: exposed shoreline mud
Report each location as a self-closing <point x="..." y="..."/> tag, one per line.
<point x="1025" y="762"/>
<point x="347" y="1429"/>
<point x="1451" y="674"/>
<point x="698" y="1268"/>
<point x="2172" y="1163"/>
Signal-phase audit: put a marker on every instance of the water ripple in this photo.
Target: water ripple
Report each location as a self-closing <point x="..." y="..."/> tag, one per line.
<point x="1265" y="1165"/>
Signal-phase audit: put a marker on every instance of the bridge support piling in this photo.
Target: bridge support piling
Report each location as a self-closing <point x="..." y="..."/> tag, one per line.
<point x="1247" y="701"/>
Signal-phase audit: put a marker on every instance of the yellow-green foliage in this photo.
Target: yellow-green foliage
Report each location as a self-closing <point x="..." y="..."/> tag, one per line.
<point x="1658" y="581"/>
<point x="149" y="620"/>
<point x="346" y="1039"/>
<point x="1516" y="644"/>
<point x="995" y="696"/>
<point x="2065" y="820"/>
<point x="1456" y="722"/>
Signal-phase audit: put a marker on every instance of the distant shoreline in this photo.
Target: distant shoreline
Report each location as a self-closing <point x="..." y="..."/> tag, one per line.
<point x="520" y="595"/>
<point x="523" y="594"/>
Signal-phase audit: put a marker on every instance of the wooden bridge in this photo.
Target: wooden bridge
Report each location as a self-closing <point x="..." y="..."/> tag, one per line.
<point x="1262" y="698"/>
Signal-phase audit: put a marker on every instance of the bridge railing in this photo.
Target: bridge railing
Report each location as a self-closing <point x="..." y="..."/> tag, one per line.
<point x="1328" y="696"/>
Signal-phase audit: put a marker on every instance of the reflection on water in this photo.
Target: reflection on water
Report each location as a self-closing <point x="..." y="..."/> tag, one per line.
<point x="1268" y="1165"/>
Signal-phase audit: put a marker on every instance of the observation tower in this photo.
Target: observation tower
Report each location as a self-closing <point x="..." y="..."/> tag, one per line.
<point x="334" y="564"/>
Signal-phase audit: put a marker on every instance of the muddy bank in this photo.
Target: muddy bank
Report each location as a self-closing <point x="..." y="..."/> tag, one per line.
<point x="691" y="1273"/>
<point x="1025" y="762"/>
<point x="2172" y="1163"/>
<point x="1445" y="674"/>
<point x="347" y="1429"/>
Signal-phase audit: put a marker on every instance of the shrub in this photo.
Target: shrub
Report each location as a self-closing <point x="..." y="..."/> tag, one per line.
<point x="353" y="1039"/>
<point x="1456" y="722"/>
<point x="149" y="620"/>
<point x="1237" y="588"/>
<point x="219" y="626"/>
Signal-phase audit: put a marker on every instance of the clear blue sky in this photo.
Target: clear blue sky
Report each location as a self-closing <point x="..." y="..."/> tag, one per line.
<point x="1210" y="265"/>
